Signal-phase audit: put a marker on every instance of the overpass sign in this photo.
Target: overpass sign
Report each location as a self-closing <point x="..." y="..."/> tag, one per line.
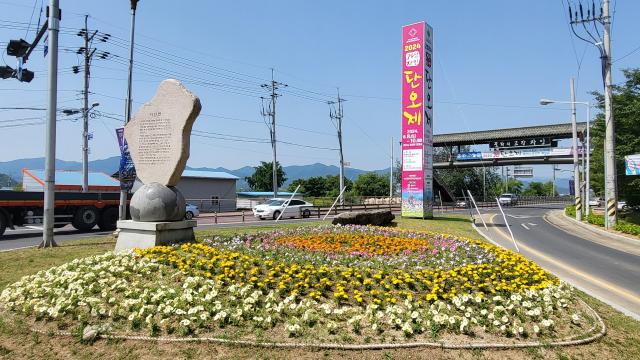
<point x="417" y="121"/>
<point x="632" y="164"/>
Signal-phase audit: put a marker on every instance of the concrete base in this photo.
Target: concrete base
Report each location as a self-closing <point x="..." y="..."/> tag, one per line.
<point x="142" y="235"/>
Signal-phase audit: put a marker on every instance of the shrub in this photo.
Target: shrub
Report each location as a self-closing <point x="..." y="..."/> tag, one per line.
<point x="627" y="228"/>
<point x="570" y="210"/>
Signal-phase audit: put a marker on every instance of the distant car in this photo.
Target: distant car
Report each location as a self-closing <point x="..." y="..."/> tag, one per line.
<point x="272" y="208"/>
<point x="461" y="204"/>
<point x="596" y="201"/>
<point x="622" y="205"/>
<point x="192" y="211"/>
<point x="508" y="199"/>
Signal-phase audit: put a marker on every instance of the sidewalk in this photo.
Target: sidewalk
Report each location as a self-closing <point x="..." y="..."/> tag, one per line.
<point x="593" y="234"/>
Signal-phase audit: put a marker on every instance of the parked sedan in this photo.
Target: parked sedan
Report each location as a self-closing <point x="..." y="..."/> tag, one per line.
<point x="272" y="209"/>
<point x="192" y="211"/>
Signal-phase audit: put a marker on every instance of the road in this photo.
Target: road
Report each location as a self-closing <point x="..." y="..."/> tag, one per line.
<point x="605" y="272"/>
<point x="25" y="237"/>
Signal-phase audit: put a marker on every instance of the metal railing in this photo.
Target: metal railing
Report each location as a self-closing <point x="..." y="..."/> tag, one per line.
<point x="321" y="206"/>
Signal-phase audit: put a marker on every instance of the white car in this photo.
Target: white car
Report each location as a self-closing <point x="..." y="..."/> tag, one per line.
<point x="192" y="211"/>
<point x="508" y="199"/>
<point x="272" y="208"/>
<point x="595" y="201"/>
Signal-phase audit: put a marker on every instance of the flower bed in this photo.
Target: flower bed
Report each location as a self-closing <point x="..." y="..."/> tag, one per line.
<point x="341" y="284"/>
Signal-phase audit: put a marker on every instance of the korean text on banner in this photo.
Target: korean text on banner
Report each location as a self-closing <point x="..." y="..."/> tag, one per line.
<point x="417" y="124"/>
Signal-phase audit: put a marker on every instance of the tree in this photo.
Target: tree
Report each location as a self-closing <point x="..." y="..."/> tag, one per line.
<point x="318" y="186"/>
<point x="539" y="189"/>
<point x="371" y="184"/>
<point x="626" y="114"/>
<point x="262" y="178"/>
<point x="514" y="186"/>
<point x="7" y="181"/>
<point x="332" y="185"/>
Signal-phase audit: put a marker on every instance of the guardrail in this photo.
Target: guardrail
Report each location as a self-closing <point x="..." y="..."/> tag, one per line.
<point x="367" y="203"/>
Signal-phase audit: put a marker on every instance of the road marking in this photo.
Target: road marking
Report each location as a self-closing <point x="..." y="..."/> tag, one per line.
<point x="521" y="216"/>
<point x="532" y="224"/>
<point x="595" y="280"/>
<point x="525" y="226"/>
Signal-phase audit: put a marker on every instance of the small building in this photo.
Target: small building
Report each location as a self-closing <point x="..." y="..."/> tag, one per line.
<point x="209" y="190"/>
<point x="33" y="180"/>
<point x="249" y="199"/>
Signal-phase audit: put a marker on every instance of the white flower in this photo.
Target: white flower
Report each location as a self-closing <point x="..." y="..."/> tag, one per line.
<point x="185" y="322"/>
<point x="575" y="318"/>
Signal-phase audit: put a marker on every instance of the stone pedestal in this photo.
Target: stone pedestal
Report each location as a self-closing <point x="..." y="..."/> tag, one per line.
<point x="136" y="234"/>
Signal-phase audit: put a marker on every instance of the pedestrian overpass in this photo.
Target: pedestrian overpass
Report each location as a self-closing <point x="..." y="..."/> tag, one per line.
<point x="541" y="154"/>
<point x="547" y="135"/>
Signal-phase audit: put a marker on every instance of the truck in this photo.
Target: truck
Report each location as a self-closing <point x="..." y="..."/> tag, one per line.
<point x="82" y="210"/>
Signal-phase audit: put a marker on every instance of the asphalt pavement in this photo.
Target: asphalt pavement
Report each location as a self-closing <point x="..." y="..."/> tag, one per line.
<point x="608" y="272"/>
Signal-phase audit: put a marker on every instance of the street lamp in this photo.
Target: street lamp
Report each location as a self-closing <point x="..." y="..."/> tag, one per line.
<point x="588" y="145"/>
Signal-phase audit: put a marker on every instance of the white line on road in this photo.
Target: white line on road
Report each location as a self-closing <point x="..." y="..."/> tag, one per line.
<point x="525" y="226"/>
<point x="532" y="224"/>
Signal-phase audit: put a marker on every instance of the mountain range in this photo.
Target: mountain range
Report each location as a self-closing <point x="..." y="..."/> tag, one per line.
<point x="110" y="165"/>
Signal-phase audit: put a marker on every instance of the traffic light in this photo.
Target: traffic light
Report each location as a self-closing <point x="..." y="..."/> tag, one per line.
<point x="6" y="72"/>
<point x="27" y="76"/>
<point x="17" y="48"/>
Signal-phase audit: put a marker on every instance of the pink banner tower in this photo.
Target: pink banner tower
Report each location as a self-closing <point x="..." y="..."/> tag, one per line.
<point x="417" y="121"/>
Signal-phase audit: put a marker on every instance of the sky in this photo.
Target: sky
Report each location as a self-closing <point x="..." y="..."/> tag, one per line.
<point x="493" y="61"/>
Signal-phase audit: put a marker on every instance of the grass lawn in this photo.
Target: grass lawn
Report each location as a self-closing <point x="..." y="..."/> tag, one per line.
<point x="18" y="342"/>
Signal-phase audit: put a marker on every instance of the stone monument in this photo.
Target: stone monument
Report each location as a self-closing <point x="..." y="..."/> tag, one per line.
<point x="158" y="137"/>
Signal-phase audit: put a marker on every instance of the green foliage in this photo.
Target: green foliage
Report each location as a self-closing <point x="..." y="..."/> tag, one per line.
<point x="621" y="225"/>
<point x="595" y="219"/>
<point x="570" y="211"/>
<point x="539" y="189"/>
<point x="627" y="228"/>
<point x="7" y="181"/>
<point x="371" y="184"/>
<point x="626" y="113"/>
<point x="320" y="186"/>
<point x="262" y="178"/>
<point x="514" y="186"/>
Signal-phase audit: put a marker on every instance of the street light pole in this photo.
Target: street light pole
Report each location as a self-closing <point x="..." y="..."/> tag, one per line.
<point x="588" y="144"/>
<point x="50" y="148"/>
<point x="588" y="185"/>
<point x="122" y="210"/>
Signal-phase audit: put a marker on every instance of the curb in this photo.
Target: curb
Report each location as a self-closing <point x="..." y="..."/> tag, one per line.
<point x="601" y="231"/>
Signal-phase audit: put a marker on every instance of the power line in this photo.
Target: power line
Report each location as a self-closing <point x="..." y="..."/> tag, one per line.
<point x="627" y="54"/>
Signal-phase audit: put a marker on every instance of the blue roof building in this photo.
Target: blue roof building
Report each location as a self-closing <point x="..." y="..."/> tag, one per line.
<point x="33" y="180"/>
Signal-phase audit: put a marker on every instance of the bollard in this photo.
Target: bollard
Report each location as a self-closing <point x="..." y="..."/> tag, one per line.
<point x="318" y="212"/>
<point x="215" y="217"/>
<point x="242" y="215"/>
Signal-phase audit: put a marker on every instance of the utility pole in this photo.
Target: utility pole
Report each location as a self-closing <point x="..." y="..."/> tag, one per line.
<point x="122" y="210"/>
<point x="604" y="47"/>
<point x="553" y="184"/>
<point x="336" y="117"/>
<point x="50" y="148"/>
<point x="88" y="53"/>
<point x="271" y="111"/>
<point x="391" y="173"/>
<point x="484" y="184"/>
<point x="610" y="186"/>
<point x="574" y="150"/>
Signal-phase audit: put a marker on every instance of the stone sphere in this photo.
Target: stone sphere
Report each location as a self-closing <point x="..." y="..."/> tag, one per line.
<point x="156" y="202"/>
